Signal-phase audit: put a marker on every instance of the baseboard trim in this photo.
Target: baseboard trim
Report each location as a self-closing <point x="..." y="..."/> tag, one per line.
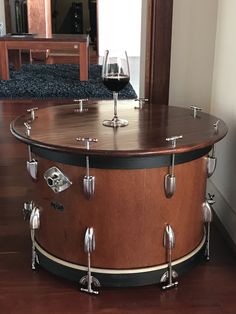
<point x="224" y="216"/>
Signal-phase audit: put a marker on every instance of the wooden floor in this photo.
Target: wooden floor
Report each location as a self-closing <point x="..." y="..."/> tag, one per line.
<point x="209" y="288"/>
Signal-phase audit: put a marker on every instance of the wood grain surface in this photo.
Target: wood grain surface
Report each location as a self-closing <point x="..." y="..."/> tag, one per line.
<point x="58" y="127"/>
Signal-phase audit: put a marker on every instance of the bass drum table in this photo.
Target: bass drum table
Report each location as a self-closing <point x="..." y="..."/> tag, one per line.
<point x="128" y="205"/>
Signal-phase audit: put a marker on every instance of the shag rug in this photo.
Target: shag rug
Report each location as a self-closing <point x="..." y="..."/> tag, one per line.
<point x="43" y="81"/>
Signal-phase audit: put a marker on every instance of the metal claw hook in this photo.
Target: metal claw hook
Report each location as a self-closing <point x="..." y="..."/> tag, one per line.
<point x="170" y="179"/>
<point x="88" y="180"/>
<point x="211" y="162"/>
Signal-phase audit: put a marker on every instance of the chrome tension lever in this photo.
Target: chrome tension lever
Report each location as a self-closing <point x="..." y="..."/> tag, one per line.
<point x="34" y="225"/>
<point x="170" y="274"/>
<point x="141" y="103"/>
<point x="195" y="111"/>
<point x="88" y="181"/>
<point x="81" y="103"/>
<point x="170" y="179"/>
<point x="32" y="113"/>
<point x="31" y="164"/>
<point x="89" y="247"/>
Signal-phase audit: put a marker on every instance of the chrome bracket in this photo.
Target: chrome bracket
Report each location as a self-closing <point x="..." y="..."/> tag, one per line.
<point x="141" y="103"/>
<point x="195" y="111"/>
<point x="170" y="179"/>
<point x="211" y="162"/>
<point x="81" y="105"/>
<point x="32" y="113"/>
<point x="88" y="180"/>
<point x="207" y="217"/>
<point x="89" y="247"/>
<point x="31" y="164"/>
<point x="34" y="225"/>
<point x="168" y="279"/>
<point x="32" y="167"/>
<point x="56" y="180"/>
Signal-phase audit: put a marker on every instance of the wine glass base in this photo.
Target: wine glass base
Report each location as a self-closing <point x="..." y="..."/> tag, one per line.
<point x="115" y="122"/>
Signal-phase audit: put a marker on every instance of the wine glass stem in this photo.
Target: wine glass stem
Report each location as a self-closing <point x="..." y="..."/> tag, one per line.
<point x="115" y="97"/>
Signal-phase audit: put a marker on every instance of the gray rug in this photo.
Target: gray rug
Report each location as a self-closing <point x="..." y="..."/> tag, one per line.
<point x="41" y="81"/>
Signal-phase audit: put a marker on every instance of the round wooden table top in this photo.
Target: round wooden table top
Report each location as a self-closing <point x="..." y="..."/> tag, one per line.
<point x="57" y="128"/>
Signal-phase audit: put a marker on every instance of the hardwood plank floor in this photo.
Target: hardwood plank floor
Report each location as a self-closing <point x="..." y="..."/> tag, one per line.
<point x="209" y="288"/>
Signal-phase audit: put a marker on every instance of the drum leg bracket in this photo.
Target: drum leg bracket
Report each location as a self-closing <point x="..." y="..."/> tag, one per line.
<point x="89" y="280"/>
<point x="34" y="225"/>
<point x="207" y="216"/>
<point x="168" y="279"/>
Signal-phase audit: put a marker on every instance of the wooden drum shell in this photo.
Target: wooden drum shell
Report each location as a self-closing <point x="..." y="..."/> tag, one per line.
<point x="128" y="212"/>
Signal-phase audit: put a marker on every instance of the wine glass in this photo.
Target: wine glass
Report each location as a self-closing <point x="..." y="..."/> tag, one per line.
<point x="115" y="76"/>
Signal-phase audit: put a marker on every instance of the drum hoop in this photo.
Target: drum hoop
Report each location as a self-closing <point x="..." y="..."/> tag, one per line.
<point x="111" y="162"/>
<point x="120" y="271"/>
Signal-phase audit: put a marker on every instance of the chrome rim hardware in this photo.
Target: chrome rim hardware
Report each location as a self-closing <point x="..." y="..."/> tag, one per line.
<point x="211" y="162"/>
<point x="141" y="103"/>
<point x="88" y="180"/>
<point x="56" y="180"/>
<point x="170" y="179"/>
<point x="32" y="113"/>
<point x="210" y="199"/>
<point x="89" y="280"/>
<point x="34" y="225"/>
<point x="31" y="164"/>
<point x="207" y="217"/>
<point x="170" y="275"/>
<point x="195" y="111"/>
<point x="81" y="105"/>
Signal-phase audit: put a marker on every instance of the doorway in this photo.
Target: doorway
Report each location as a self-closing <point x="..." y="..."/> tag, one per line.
<point x="155" y="67"/>
<point x="75" y="17"/>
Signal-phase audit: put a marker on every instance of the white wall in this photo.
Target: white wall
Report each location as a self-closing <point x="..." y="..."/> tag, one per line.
<point x="223" y="104"/>
<point x="119" y="25"/>
<point x="2" y="15"/>
<point x="192" y="55"/>
<point x="143" y="49"/>
<point x="203" y="72"/>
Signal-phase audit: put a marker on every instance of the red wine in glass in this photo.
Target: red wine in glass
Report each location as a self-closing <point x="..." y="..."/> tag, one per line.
<point x="115" y="76"/>
<point x="116" y="83"/>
